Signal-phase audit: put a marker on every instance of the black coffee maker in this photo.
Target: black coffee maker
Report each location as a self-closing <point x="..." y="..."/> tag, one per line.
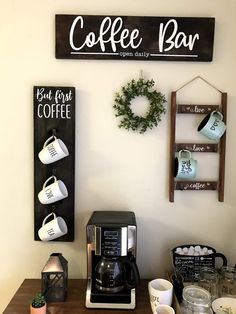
<point x="111" y="259"/>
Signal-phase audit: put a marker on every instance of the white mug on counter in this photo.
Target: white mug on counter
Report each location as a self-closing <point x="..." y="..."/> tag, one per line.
<point x="53" y="192"/>
<point x="164" y="309"/>
<point x="53" y="150"/>
<point x="160" y="292"/>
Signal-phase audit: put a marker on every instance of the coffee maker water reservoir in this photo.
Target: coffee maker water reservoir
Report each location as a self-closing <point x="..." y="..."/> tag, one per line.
<point x="111" y="259"/>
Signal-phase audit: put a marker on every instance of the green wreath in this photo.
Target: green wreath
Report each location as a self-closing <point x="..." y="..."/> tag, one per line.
<point x="123" y="101"/>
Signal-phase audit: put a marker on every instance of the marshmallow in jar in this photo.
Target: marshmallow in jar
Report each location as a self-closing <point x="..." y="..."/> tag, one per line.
<point x="196" y="250"/>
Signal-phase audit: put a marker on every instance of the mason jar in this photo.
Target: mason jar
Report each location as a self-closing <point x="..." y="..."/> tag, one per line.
<point x="208" y="279"/>
<point x="196" y="300"/>
<point x="228" y="281"/>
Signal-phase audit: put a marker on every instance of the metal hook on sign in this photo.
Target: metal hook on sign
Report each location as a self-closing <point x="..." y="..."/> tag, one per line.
<point x="54" y="171"/>
<point x="54" y="131"/>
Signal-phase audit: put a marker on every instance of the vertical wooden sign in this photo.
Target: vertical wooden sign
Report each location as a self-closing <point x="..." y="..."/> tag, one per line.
<point x="54" y="115"/>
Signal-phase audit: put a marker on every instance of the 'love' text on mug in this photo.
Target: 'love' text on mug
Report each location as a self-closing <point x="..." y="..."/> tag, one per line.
<point x="49" y="193"/>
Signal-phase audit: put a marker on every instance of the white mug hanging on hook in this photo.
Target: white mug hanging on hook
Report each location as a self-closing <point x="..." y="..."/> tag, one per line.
<point x="53" y="150"/>
<point x="53" y="229"/>
<point x="53" y="192"/>
<point x="212" y="126"/>
<point x="185" y="166"/>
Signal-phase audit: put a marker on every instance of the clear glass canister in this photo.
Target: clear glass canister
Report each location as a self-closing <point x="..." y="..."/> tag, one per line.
<point x="208" y="279"/>
<point x="228" y="281"/>
<point x="195" y="300"/>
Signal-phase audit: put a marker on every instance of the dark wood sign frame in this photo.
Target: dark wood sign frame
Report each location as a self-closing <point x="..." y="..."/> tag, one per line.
<point x="134" y="37"/>
<point x="54" y="114"/>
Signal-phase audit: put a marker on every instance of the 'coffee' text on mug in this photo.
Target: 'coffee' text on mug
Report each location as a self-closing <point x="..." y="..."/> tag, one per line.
<point x="53" y="150"/>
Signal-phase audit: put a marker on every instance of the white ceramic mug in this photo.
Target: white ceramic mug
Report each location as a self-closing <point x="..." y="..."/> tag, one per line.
<point x="212" y="126"/>
<point x="52" y="193"/>
<point x="160" y="292"/>
<point x="53" y="150"/>
<point x="53" y="229"/>
<point x="185" y="165"/>
<point x="164" y="309"/>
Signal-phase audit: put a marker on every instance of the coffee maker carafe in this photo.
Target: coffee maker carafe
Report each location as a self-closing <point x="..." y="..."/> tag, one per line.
<point x="111" y="252"/>
<point x="111" y="274"/>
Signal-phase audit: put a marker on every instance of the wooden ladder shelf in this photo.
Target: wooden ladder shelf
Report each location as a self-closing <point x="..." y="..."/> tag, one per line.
<point x="175" y="184"/>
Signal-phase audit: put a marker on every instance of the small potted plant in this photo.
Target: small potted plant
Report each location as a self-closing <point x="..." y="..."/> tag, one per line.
<point x="38" y="304"/>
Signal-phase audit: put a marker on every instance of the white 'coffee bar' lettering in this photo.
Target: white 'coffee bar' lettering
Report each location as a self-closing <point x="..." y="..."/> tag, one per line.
<point x="175" y="39"/>
<point x="125" y="37"/>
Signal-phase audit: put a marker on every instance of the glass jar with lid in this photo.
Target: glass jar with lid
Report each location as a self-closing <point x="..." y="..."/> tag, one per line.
<point x="196" y="300"/>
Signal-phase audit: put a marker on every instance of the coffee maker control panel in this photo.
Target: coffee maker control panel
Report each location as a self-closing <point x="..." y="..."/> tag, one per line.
<point x="111" y="241"/>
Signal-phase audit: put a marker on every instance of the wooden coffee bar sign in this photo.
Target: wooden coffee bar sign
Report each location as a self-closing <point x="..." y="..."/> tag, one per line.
<point x="134" y="37"/>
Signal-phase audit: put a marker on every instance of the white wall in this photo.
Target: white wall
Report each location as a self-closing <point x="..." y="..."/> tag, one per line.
<point x="115" y="169"/>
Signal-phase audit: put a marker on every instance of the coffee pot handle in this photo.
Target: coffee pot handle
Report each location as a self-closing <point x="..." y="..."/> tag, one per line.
<point x="223" y="258"/>
<point x="134" y="273"/>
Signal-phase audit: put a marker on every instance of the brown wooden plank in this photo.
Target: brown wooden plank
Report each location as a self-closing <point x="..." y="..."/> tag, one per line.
<point x="172" y="146"/>
<point x="196" y="109"/>
<point x="196" y="185"/>
<point x="197" y="147"/>
<point x="222" y="150"/>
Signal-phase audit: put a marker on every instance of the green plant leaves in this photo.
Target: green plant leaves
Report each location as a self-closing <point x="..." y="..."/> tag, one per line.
<point x="129" y="120"/>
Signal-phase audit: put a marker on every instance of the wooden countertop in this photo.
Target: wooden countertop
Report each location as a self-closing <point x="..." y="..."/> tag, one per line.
<point x="75" y="302"/>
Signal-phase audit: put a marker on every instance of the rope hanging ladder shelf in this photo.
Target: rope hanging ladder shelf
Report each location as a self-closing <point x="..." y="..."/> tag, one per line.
<point x="220" y="147"/>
